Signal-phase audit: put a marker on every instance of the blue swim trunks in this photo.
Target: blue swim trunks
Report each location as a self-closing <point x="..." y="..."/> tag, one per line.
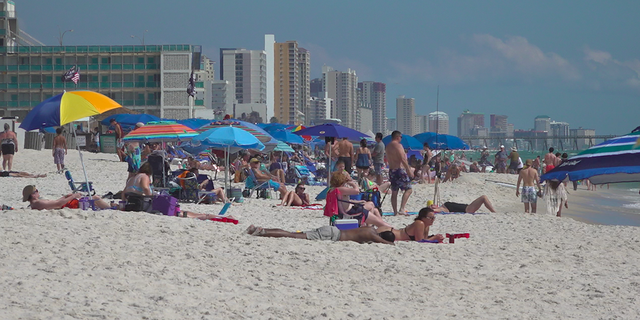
<point x="399" y="179"/>
<point x="274" y="185"/>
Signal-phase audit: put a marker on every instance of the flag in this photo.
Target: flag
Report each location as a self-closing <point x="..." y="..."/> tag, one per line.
<point x="71" y="75"/>
<point x="191" y="87"/>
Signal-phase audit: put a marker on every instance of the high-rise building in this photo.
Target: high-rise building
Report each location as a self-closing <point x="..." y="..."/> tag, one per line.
<point x="467" y="121"/>
<point x="269" y="43"/>
<point x="341" y="87"/>
<point x="222" y="97"/>
<point x="420" y="124"/>
<point x="246" y="71"/>
<point x="498" y="123"/>
<point x="364" y="119"/>
<point x="405" y="114"/>
<point x="291" y="90"/>
<point x="304" y="61"/>
<point x="439" y="122"/>
<point x="392" y="125"/>
<point x="315" y="88"/>
<point x="319" y="110"/>
<point x="542" y="123"/>
<point x="583" y="141"/>
<point x="374" y="96"/>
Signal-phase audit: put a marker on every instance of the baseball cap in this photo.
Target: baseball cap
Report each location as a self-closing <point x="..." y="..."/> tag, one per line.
<point x="529" y="162"/>
<point x="254" y="160"/>
<point x="27" y="192"/>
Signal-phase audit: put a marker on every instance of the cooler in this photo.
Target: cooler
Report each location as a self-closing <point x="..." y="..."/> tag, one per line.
<point x="346" y="224"/>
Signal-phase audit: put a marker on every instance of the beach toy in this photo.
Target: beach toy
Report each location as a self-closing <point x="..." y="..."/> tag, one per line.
<point x="224" y="219"/>
<point x="454" y="236"/>
<point x="429" y="203"/>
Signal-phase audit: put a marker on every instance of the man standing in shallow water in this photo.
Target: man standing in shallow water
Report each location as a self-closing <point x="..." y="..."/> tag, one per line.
<point x="528" y="176"/>
<point x="400" y="174"/>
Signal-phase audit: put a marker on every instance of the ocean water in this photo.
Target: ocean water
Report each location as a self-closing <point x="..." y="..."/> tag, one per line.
<point x="617" y="205"/>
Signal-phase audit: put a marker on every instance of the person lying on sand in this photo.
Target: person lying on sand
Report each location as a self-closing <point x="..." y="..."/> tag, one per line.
<point x="360" y="235"/>
<point x="468" y="208"/>
<point x="21" y="174"/>
<point x="30" y="193"/>
<point x="418" y="230"/>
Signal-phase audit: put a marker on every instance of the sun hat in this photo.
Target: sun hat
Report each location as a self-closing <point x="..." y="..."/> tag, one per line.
<point x="27" y="192"/>
<point x="514" y="149"/>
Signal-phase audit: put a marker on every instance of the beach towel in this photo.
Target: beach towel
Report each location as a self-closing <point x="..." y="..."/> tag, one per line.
<point x="391" y="213"/>
<point x="313" y="206"/>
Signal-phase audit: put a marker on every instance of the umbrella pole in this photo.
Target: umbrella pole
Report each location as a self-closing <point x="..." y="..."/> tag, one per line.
<point x="84" y="170"/>
<point x="226" y="173"/>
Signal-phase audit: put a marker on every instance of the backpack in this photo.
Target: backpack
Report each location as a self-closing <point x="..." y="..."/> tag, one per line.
<point x="373" y="196"/>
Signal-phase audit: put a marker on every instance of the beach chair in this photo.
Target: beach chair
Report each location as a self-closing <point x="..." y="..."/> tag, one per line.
<point x="78" y="186"/>
<point x="160" y="169"/>
<point x="191" y="191"/>
<point x="251" y="184"/>
<point x="335" y="211"/>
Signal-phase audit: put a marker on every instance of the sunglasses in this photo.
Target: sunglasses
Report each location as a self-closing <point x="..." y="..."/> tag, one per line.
<point x="34" y="192"/>
<point x="301" y="188"/>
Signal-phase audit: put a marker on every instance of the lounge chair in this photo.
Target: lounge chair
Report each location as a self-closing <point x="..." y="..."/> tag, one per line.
<point x="78" y="186"/>
<point x="335" y="211"/>
<point x="251" y="183"/>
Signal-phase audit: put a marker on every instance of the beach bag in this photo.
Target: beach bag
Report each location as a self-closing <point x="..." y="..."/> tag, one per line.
<point x="137" y="202"/>
<point x="373" y="196"/>
<point x="331" y="207"/>
<point x="165" y="204"/>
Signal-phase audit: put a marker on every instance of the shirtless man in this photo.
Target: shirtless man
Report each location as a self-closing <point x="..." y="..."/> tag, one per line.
<point x="21" y="174"/>
<point x="528" y="176"/>
<point x="345" y="153"/>
<point x="31" y="194"/>
<point x="330" y="152"/>
<point x="400" y="174"/>
<point x="119" y="135"/>
<point x="549" y="161"/>
<point x="9" y="144"/>
<point x="59" y="149"/>
<point x="360" y="235"/>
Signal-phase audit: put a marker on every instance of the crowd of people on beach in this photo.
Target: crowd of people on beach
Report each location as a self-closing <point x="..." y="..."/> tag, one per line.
<point x="350" y="170"/>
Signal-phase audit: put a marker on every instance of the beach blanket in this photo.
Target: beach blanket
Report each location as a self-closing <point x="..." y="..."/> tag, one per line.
<point x="391" y="213"/>
<point x="414" y="213"/>
<point x="313" y="206"/>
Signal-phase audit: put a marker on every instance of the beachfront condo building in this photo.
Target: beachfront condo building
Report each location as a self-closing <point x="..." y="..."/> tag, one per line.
<point x="420" y="124"/>
<point x="498" y="123"/>
<point x="246" y="71"/>
<point x="468" y="121"/>
<point x="364" y="119"/>
<point x="560" y="133"/>
<point x="291" y="83"/>
<point x="374" y="96"/>
<point x="146" y="78"/>
<point x="405" y="114"/>
<point x="439" y="122"/>
<point x="341" y="87"/>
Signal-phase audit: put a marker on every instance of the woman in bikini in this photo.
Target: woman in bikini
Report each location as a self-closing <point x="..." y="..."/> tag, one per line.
<point x="297" y="197"/>
<point x="461" y="207"/>
<point x="418" y="230"/>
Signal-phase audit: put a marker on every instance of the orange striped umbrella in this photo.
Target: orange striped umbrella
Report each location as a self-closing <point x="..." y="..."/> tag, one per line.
<point x="161" y="131"/>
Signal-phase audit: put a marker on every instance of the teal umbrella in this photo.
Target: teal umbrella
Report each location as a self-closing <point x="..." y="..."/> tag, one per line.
<point x="283" y="147"/>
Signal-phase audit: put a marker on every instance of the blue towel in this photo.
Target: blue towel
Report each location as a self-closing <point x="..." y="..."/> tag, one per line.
<point x="391" y="213"/>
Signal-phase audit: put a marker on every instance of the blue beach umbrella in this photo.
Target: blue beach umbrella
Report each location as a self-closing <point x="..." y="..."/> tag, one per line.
<point x="408" y="142"/>
<point x="194" y="123"/>
<point x="445" y="141"/>
<point x="332" y="130"/>
<point x="423" y="137"/>
<point x="227" y="138"/>
<point x="615" y="160"/>
<point x="285" y="136"/>
<point x="126" y="119"/>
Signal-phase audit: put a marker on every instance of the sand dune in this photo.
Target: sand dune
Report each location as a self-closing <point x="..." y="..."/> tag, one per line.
<point x="110" y="264"/>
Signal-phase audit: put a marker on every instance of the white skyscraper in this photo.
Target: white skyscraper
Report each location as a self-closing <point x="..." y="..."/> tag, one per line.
<point x="405" y="114"/>
<point x="374" y="96"/>
<point x="269" y="42"/>
<point x="246" y="71"/>
<point x="341" y="87"/>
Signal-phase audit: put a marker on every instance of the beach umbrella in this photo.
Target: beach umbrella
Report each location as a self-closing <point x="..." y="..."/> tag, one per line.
<point x="68" y="107"/>
<point x="407" y="142"/>
<point x="298" y="128"/>
<point x="283" y="147"/>
<point x="415" y="153"/>
<point x="286" y="136"/>
<point x="331" y="130"/>
<point x="445" y="141"/>
<point x="615" y="160"/>
<point x="194" y="123"/>
<point x="130" y="120"/>
<point x="253" y="129"/>
<point x="423" y="137"/>
<point x="161" y="131"/>
<point x="228" y="138"/>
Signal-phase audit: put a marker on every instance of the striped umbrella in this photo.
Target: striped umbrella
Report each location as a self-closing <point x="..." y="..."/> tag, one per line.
<point x="161" y="131"/>
<point x="615" y="160"/>
<point x="258" y="132"/>
<point x="298" y="128"/>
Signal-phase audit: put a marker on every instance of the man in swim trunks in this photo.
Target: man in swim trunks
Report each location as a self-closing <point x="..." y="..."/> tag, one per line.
<point x="8" y="146"/>
<point x="400" y="174"/>
<point x="117" y="128"/>
<point x="345" y="153"/>
<point x="461" y="207"/>
<point x="360" y="235"/>
<point x="528" y="176"/>
<point x="59" y="149"/>
<point x="378" y="158"/>
<point x="30" y="193"/>
<point x="549" y="161"/>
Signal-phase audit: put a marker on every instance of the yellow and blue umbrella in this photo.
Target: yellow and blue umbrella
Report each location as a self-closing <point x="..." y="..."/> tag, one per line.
<point x="67" y="107"/>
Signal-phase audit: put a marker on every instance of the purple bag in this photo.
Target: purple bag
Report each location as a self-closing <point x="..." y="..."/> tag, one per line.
<point x="166" y="204"/>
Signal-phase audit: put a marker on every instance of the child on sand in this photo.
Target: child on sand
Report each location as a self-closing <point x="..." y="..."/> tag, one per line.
<point x="59" y="149"/>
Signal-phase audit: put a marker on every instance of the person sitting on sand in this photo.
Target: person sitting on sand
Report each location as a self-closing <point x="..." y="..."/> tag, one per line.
<point x="193" y="173"/>
<point x="140" y="184"/>
<point x="453" y="172"/>
<point x="21" y="174"/>
<point x="360" y="235"/>
<point x="276" y="169"/>
<point x="297" y="197"/>
<point x="419" y="229"/>
<point x="468" y="208"/>
<point x="30" y="193"/>
<point x="474" y="167"/>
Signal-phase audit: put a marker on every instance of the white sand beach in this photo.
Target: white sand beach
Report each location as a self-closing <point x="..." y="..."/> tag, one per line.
<point x="73" y="264"/>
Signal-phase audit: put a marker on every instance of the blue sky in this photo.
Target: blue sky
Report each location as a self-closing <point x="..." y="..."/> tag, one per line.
<point x="576" y="61"/>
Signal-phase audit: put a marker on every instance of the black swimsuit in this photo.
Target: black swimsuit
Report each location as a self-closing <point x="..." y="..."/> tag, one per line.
<point x="455" y="207"/>
<point x="412" y="238"/>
